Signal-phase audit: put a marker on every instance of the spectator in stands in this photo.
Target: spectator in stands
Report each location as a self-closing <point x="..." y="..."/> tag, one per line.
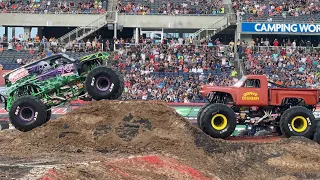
<point x="287" y="65"/>
<point x="169" y="8"/>
<point x="56" y="7"/>
<point x="264" y="9"/>
<point x="186" y="66"/>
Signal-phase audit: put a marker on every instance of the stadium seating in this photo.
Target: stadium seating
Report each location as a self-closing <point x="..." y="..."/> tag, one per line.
<point x="279" y="18"/>
<point x="290" y="11"/>
<point x="56" y="6"/>
<point x="176" y="7"/>
<point x="291" y="69"/>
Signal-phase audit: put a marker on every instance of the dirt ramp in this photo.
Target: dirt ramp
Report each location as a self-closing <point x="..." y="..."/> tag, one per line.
<point x="119" y="126"/>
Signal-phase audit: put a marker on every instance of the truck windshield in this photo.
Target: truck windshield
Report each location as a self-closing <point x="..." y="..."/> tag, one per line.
<point x="240" y="82"/>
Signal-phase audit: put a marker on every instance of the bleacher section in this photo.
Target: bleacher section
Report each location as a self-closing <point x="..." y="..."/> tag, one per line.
<point x="56" y="6"/>
<point x="216" y="74"/>
<point x="184" y="7"/>
<point x="279" y="18"/>
<point x="288" y="11"/>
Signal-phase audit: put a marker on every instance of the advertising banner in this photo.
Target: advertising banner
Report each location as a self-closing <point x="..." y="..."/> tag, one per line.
<point x="248" y="27"/>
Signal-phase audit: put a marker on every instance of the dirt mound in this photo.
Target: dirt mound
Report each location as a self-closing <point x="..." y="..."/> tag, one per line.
<point x="117" y="126"/>
<point x="124" y="128"/>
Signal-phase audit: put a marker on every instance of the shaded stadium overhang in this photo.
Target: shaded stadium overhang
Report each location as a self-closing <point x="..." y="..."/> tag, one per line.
<point x="127" y="21"/>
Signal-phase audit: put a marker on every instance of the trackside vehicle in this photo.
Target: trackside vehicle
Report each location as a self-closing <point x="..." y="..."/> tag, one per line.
<point x="34" y="89"/>
<point x="261" y="104"/>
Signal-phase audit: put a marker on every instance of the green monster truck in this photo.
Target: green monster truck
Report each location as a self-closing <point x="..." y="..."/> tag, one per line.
<point x="34" y="89"/>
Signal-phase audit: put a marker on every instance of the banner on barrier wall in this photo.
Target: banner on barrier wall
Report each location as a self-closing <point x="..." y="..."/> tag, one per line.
<point x="280" y="28"/>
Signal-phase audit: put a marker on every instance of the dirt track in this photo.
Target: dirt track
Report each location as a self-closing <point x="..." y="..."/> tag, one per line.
<point x="84" y="143"/>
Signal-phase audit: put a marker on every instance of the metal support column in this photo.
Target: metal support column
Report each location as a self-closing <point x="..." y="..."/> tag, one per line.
<point x="137" y="35"/>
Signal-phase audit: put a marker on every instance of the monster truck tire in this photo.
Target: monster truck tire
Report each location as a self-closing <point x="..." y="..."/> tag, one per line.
<point x="104" y="83"/>
<point x="27" y="113"/>
<point x="316" y="136"/>
<point x="218" y="121"/>
<point x="200" y="113"/>
<point x="298" y="121"/>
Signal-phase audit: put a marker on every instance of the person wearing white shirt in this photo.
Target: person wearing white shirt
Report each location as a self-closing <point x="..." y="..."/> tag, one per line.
<point x="223" y="61"/>
<point x="294" y="44"/>
<point x="303" y="60"/>
<point x="199" y="70"/>
<point x="161" y="56"/>
<point x="10" y="47"/>
<point x="194" y="70"/>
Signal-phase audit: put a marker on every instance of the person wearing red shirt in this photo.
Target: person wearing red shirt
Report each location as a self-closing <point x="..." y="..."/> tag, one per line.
<point x="18" y="47"/>
<point x="275" y="42"/>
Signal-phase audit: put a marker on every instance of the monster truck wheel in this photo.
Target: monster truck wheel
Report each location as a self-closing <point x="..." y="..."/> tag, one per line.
<point x="298" y="121"/>
<point x="316" y="136"/>
<point x="200" y="113"/>
<point x="27" y="113"/>
<point x="218" y="121"/>
<point x="104" y="83"/>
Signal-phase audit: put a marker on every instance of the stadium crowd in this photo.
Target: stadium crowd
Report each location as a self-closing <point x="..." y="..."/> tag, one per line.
<point x="46" y="47"/>
<point x="273" y="8"/>
<point x="171" y="7"/>
<point x="293" y="10"/>
<point x="174" y="70"/>
<point x="53" y="6"/>
<point x="292" y="64"/>
<point x="100" y="6"/>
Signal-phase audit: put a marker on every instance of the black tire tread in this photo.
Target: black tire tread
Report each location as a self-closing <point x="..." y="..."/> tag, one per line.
<point x="199" y="114"/>
<point x="116" y="94"/>
<point x="316" y="136"/>
<point x="120" y="90"/>
<point x="49" y="113"/>
<point x="229" y="112"/>
<point x="33" y="125"/>
<point x="286" y="116"/>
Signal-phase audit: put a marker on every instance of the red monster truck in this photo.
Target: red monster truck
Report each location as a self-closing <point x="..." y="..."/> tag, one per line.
<point x="257" y="102"/>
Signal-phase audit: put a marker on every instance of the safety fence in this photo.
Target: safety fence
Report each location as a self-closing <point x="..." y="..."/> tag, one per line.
<point x="89" y="46"/>
<point x="289" y="49"/>
<point x="23" y="45"/>
<point x="33" y="45"/>
<point x="128" y="46"/>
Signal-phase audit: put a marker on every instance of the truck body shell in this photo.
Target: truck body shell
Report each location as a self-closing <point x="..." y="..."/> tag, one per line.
<point x="261" y="95"/>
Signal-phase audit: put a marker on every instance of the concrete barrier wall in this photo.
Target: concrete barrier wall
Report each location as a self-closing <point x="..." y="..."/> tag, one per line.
<point x="72" y="20"/>
<point x="35" y="20"/>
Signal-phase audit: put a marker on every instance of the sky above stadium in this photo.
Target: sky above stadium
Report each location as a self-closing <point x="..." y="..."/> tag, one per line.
<point x="19" y="31"/>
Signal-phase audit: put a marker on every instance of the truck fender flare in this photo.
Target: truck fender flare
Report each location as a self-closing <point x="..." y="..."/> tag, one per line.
<point x="226" y="93"/>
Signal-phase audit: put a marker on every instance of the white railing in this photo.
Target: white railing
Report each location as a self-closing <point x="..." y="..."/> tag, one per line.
<point x="217" y="26"/>
<point x="83" y="31"/>
<point x="304" y="48"/>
